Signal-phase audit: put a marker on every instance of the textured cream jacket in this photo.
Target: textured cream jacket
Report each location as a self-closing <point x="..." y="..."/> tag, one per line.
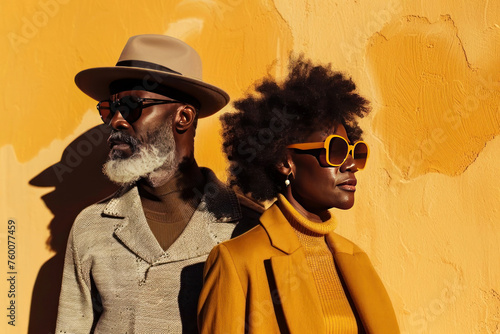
<point x="115" y="265"/>
<point x="260" y="283"/>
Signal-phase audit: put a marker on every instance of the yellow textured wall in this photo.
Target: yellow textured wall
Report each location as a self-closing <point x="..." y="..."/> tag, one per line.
<point x="427" y="209"/>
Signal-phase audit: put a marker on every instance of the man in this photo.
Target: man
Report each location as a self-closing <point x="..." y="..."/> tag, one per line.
<point x="134" y="261"/>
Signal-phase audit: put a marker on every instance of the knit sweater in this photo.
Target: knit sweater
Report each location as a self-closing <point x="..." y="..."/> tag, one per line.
<point x="337" y="313"/>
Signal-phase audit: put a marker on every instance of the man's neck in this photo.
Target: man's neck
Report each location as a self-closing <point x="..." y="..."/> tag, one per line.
<point x="187" y="177"/>
<point x="169" y="207"/>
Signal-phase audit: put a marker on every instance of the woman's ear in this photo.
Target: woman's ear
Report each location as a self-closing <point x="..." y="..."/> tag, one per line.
<point x="286" y="166"/>
<point x="185" y="118"/>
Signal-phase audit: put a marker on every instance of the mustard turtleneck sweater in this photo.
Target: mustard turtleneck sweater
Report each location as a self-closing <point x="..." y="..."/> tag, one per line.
<point x="168" y="208"/>
<point x="337" y="312"/>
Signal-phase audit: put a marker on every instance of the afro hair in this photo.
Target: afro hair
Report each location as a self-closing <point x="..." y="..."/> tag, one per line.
<point x="311" y="98"/>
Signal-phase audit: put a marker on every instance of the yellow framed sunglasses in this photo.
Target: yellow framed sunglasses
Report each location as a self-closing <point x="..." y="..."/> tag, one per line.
<point x="337" y="149"/>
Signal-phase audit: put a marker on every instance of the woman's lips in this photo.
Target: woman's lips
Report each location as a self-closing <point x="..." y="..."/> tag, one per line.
<point x="348" y="185"/>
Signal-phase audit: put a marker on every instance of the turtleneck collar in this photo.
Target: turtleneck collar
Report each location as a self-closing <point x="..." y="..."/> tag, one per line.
<point x="294" y="217"/>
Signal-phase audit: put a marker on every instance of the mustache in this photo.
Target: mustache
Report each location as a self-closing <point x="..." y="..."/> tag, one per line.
<point x="125" y="138"/>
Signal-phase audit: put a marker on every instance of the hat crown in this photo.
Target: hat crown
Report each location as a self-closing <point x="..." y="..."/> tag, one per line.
<point x="165" y="51"/>
<point x="156" y="58"/>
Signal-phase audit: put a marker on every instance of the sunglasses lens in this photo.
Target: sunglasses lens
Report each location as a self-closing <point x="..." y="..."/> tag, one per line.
<point x="130" y="107"/>
<point x="360" y="154"/>
<point x="337" y="151"/>
<point x="105" y="111"/>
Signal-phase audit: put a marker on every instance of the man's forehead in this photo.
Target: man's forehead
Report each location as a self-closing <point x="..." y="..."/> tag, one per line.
<point x="150" y="89"/>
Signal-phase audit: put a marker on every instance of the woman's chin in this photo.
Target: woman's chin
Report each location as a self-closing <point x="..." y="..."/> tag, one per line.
<point x="345" y="205"/>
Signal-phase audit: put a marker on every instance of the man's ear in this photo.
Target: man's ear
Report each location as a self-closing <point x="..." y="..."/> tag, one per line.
<point x="185" y="118"/>
<point x="286" y="166"/>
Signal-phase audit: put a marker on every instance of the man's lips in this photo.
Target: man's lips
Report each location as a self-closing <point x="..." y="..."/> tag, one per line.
<point x="118" y="144"/>
<point x="348" y="184"/>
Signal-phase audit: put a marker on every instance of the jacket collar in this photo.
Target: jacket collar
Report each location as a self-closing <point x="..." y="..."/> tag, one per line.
<point x="365" y="288"/>
<point x="279" y="230"/>
<point x="216" y="195"/>
<point x="218" y="204"/>
<point x="294" y="279"/>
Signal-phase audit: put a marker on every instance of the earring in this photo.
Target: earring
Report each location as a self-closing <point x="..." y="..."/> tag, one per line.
<point x="287" y="181"/>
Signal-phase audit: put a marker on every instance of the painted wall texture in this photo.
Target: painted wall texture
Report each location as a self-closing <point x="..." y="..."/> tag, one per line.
<point x="427" y="210"/>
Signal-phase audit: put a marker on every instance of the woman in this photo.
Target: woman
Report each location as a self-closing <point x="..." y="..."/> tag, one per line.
<point x="297" y="141"/>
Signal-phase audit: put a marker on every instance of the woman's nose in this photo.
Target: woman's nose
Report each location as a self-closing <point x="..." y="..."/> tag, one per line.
<point x="349" y="164"/>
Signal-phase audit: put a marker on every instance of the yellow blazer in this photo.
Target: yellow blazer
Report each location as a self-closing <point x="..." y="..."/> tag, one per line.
<point x="260" y="283"/>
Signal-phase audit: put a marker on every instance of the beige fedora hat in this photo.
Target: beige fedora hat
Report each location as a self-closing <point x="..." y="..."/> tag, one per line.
<point x="156" y="60"/>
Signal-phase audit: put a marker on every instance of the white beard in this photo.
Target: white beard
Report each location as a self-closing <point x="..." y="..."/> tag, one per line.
<point x="152" y="160"/>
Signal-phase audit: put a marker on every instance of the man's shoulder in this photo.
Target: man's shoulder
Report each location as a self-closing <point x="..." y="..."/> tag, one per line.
<point x="89" y="218"/>
<point x="250" y="205"/>
<point x="250" y="214"/>
<point x="94" y="213"/>
<point x="224" y="201"/>
<point x="99" y="206"/>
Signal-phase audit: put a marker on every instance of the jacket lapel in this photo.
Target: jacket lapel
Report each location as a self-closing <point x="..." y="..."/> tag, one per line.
<point x="132" y="228"/>
<point x="298" y="294"/>
<point x="364" y="286"/>
<point x="212" y="222"/>
<point x="294" y="280"/>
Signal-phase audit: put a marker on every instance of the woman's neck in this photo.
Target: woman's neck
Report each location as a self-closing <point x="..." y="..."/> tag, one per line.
<point x="318" y="217"/>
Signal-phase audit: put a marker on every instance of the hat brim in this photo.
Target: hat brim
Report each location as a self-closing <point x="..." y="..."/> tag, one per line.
<point x="95" y="83"/>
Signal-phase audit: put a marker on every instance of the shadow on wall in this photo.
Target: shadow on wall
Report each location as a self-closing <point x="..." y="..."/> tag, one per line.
<point x="78" y="182"/>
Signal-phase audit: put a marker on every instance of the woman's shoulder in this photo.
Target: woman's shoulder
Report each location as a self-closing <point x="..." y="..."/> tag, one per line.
<point x="341" y="244"/>
<point x="254" y="243"/>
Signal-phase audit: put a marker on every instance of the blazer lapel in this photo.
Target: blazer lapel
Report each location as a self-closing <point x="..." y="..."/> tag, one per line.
<point x="132" y="228"/>
<point x="294" y="280"/>
<point x="298" y="294"/>
<point x="297" y="289"/>
<point x="364" y="286"/>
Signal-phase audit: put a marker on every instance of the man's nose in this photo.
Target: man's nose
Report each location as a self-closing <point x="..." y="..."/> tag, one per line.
<point x="118" y="122"/>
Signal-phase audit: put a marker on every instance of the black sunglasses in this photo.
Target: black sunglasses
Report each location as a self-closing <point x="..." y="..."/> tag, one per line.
<point x="130" y="107"/>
